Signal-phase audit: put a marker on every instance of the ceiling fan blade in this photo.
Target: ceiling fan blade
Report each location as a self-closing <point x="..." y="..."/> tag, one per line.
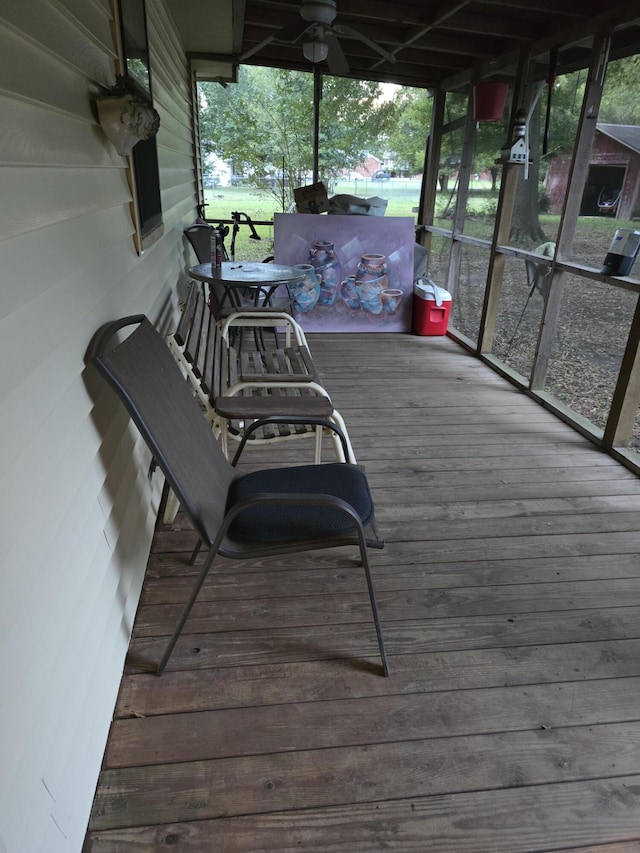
<point x="351" y="33"/>
<point x="256" y="48"/>
<point x="336" y="59"/>
<point x="289" y="34"/>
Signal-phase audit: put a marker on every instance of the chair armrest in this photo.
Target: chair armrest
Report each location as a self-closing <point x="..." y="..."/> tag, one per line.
<point x="291" y="419"/>
<point x="263" y="318"/>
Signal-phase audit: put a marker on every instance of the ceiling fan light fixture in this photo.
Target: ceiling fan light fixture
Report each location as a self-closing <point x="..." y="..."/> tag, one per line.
<point x="315" y="50"/>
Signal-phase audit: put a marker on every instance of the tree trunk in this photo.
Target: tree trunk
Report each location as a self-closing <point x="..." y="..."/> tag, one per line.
<point x="525" y="228"/>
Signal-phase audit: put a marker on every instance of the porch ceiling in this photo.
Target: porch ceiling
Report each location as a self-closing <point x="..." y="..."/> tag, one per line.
<point x="433" y="42"/>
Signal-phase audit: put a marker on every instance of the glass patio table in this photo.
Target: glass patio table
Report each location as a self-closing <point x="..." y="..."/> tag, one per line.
<point x="237" y="277"/>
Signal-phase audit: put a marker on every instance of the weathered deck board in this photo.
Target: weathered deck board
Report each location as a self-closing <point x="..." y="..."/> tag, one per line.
<point x="276" y="684"/>
<point x="448" y="551"/>
<point x="356" y="641"/>
<point x="335" y="607"/>
<point x="198" y="790"/>
<point x="517" y="820"/>
<point x="509" y="592"/>
<point x="387" y="719"/>
<point x="254" y="585"/>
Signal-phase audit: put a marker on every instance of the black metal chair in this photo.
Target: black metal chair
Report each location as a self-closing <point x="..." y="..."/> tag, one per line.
<point x="200" y="236"/>
<point x="263" y="513"/>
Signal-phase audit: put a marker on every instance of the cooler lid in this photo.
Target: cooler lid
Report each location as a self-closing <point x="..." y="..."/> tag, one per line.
<point x="430" y="290"/>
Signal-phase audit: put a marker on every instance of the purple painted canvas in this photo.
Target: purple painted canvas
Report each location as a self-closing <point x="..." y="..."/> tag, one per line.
<point x="356" y="272"/>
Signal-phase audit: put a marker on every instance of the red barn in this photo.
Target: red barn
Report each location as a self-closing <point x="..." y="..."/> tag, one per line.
<point x="613" y="182"/>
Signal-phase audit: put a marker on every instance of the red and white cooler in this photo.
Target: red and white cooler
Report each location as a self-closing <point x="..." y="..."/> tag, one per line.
<point x="431" y="308"/>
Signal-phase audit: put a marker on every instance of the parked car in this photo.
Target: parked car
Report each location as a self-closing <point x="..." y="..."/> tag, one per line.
<point x="380" y="175"/>
<point x="210" y="181"/>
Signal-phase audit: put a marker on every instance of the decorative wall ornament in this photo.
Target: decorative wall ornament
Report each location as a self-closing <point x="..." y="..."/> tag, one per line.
<point x="126" y="117"/>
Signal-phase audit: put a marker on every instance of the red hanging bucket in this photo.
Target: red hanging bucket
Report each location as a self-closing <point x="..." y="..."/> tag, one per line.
<point x="489" y="101"/>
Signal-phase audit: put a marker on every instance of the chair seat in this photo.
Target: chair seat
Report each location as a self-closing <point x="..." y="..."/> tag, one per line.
<point x="282" y="523"/>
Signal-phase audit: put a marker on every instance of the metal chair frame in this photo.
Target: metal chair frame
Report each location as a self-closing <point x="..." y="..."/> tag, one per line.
<point x="312" y="510"/>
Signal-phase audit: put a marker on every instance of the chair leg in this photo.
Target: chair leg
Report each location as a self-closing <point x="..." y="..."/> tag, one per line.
<point x="171" y="507"/>
<point x="318" y="440"/>
<point x="224" y="436"/>
<point x="195" y="552"/>
<point x="374" y="607"/>
<point x="187" y="609"/>
<point x="337" y="418"/>
<point x="205" y="571"/>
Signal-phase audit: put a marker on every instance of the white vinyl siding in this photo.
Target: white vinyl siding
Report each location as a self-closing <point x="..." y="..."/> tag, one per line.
<point x="77" y="509"/>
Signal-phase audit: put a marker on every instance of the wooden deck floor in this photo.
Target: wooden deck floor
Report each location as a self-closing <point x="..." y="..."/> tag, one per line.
<point x="509" y="592"/>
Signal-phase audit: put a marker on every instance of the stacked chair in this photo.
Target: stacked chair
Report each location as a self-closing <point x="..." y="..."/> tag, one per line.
<point x="277" y="386"/>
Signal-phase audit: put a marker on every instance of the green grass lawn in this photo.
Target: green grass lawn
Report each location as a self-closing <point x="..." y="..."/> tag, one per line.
<point x="402" y="198"/>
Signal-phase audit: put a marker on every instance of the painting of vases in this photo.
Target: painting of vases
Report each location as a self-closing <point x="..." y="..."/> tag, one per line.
<point x="371" y="279"/>
<point x="323" y="259"/>
<point x="391" y="301"/>
<point x="363" y="266"/>
<point x="305" y="292"/>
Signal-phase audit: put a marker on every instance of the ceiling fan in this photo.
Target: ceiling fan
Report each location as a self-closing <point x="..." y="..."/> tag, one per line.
<point x="320" y="37"/>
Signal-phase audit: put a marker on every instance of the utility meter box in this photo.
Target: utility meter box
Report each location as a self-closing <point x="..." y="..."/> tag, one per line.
<point x="431" y="308"/>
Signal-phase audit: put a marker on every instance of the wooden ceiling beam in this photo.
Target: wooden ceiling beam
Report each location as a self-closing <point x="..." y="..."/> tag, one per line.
<point x="451" y="42"/>
<point x="623" y="13"/>
<point x="570" y="9"/>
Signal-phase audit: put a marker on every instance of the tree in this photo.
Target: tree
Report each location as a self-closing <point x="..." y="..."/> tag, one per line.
<point x="263" y="125"/>
<point x="525" y="225"/>
<point x="566" y="103"/>
<point x="354" y="121"/>
<point x="256" y="123"/>
<point x="407" y="138"/>
<point x="620" y="104"/>
<point x="490" y="137"/>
